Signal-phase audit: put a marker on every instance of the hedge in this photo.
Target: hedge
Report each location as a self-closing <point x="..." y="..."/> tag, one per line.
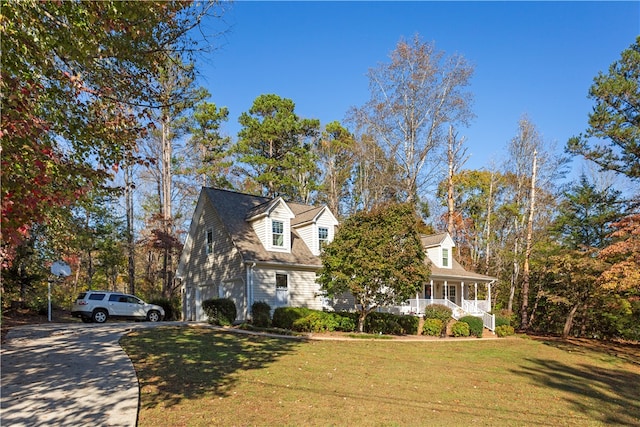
<point x="460" y="329"/>
<point x="220" y="311"/>
<point x="283" y="317"/>
<point x="504" y="331"/>
<point x="475" y="325"/>
<point x="432" y="327"/>
<point x="261" y="314"/>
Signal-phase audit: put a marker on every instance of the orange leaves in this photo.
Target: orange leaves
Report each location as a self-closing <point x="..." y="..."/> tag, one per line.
<point x="624" y="254"/>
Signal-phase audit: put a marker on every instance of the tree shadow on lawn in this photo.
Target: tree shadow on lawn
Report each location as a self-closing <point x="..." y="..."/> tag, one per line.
<point x="609" y="395"/>
<point x="183" y="363"/>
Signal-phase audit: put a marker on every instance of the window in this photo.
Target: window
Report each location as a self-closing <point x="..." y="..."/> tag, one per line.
<point x="282" y="281"/>
<point x="277" y="231"/>
<point x="452" y="293"/>
<point x="117" y="298"/>
<point x="96" y="297"/>
<point x="209" y="241"/>
<point x="323" y="237"/>
<point x="445" y="257"/>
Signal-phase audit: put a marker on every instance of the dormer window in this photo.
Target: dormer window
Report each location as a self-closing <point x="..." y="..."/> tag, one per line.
<point x="445" y="257"/>
<point x="277" y="232"/>
<point x="323" y="237"/>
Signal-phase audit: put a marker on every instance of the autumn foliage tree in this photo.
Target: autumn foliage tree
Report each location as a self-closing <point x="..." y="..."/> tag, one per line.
<point x="76" y="78"/>
<point x="377" y="256"/>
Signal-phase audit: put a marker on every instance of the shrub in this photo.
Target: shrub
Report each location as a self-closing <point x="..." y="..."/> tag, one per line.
<point x="504" y="331"/>
<point x="317" y="321"/>
<point x="346" y="322"/>
<point x="460" y="329"/>
<point x="432" y="327"/>
<point x="409" y="324"/>
<point x="390" y="324"/>
<point x="503" y="317"/>
<point x="220" y="311"/>
<point x="438" y="311"/>
<point x="283" y="317"/>
<point x="475" y="325"/>
<point x="171" y="307"/>
<point x="261" y="314"/>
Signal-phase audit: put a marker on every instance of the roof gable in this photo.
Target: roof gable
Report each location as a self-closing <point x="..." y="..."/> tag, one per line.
<point x="237" y="210"/>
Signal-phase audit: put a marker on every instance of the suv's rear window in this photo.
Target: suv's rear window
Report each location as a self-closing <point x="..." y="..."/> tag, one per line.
<point x="96" y="297"/>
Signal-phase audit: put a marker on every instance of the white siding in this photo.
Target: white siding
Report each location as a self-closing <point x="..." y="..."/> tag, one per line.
<point x="260" y="228"/>
<point x="307" y="234"/>
<point x="303" y="289"/>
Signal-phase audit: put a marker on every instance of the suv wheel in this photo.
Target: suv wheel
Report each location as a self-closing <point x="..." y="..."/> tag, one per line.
<point x="99" y="316"/>
<point x="153" y="316"/>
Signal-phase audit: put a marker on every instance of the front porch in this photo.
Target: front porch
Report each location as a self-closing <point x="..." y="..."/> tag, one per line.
<point x="461" y="298"/>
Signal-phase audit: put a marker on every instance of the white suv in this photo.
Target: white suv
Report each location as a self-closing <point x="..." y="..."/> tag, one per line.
<point x="98" y="306"/>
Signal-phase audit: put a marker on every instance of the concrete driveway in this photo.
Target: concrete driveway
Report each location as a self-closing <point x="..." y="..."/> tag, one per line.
<point x="69" y="374"/>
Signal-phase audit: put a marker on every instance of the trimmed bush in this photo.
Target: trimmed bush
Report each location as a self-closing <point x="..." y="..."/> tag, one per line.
<point x="390" y="324"/>
<point x="171" y="307"/>
<point x="432" y="327"/>
<point x="438" y="311"/>
<point x="460" y="329"/>
<point x="504" y="331"/>
<point x="317" y="321"/>
<point x="220" y="311"/>
<point x="382" y="323"/>
<point x="261" y="314"/>
<point x="347" y="322"/>
<point x="283" y="317"/>
<point x="475" y="325"/>
<point x="409" y="324"/>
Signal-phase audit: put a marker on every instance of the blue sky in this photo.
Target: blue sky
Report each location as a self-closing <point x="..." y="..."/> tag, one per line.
<point x="533" y="58"/>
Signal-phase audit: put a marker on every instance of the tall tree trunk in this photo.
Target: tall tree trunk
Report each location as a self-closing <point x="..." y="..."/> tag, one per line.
<point x="527" y="255"/>
<point x="166" y="205"/>
<point x="516" y="269"/>
<point x="488" y="226"/>
<point x="450" y="196"/>
<point x="128" y="196"/>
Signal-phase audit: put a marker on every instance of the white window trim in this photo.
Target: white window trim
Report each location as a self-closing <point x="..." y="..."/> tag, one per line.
<point x="325" y="240"/>
<point x="272" y="234"/>
<point x="208" y="245"/>
<point x="447" y="258"/>
<point x="286" y="275"/>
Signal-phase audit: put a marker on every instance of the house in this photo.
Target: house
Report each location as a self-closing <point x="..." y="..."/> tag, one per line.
<point x="451" y="285"/>
<point x="250" y="248"/>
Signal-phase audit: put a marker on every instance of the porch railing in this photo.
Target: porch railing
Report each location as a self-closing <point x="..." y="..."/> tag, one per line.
<point x="473" y="308"/>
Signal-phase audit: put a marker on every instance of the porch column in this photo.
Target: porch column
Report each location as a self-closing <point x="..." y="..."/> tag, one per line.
<point x="461" y="293"/>
<point x="489" y="295"/>
<point x="475" y="298"/>
<point x="431" y="296"/>
<point x="446" y="290"/>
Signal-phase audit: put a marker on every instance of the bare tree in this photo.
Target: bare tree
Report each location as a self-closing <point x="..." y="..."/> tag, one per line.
<point x="413" y="97"/>
<point x="456" y="158"/>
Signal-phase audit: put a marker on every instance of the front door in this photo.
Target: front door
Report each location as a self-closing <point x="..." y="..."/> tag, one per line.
<point x="282" y="290"/>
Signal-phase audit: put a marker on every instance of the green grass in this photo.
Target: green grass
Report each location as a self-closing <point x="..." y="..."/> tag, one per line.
<point x="202" y="377"/>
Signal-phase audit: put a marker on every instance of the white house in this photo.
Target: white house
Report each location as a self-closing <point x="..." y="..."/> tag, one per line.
<point x="251" y="248"/>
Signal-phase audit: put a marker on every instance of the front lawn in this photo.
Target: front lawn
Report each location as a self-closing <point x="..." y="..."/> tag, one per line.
<point x="198" y="376"/>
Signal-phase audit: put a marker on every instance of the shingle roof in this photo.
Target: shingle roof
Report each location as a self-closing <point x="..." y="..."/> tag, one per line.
<point x="431" y="240"/>
<point x="234" y="208"/>
<point x="457" y="271"/>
